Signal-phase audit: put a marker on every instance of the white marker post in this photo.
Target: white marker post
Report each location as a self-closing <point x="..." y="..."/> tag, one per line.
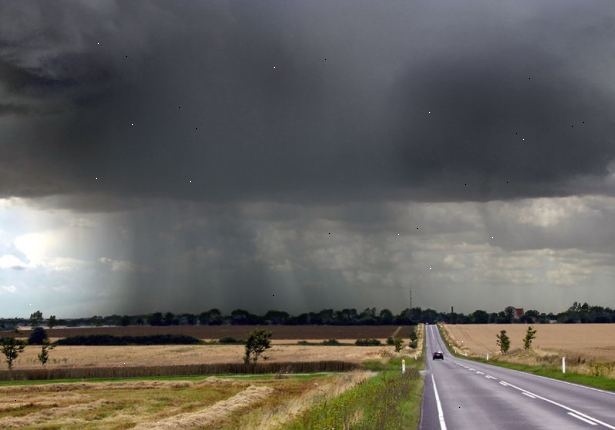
<point x="487" y="356"/>
<point x="403" y="366"/>
<point x="563" y="364"/>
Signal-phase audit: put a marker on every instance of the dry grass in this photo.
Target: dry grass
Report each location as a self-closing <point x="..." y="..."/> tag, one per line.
<point x="284" y="408"/>
<point x="211" y="403"/>
<point x="213" y="414"/>
<point x="162" y="355"/>
<point x="589" y="348"/>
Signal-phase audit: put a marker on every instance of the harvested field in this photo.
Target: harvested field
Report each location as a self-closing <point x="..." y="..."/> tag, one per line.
<point x="237" y="331"/>
<point x="592" y="341"/>
<point x="165" y="355"/>
<point x="211" y="403"/>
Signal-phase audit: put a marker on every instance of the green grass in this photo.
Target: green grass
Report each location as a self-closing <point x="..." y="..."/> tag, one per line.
<point x="601" y="382"/>
<point x="387" y="401"/>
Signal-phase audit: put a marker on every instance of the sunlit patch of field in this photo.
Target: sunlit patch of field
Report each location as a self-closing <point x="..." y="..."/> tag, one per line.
<point x="230" y="403"/>
<point x="593" y="340"/>
<point x="589" y="348"/>
<point x="162" y="355"/>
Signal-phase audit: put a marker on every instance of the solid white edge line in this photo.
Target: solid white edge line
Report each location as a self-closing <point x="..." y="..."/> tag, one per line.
<point x="610" y="393"/>
<point x="582" y="419"/>
<point x="439" y="405"/>
<point x="569" y="409"/>
<point x="525" y="393"/>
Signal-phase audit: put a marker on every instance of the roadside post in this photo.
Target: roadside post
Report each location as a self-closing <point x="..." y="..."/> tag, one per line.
<point x="563" y="364"/>
<point x="487" y="356"/>
<point x="403" y="366"/>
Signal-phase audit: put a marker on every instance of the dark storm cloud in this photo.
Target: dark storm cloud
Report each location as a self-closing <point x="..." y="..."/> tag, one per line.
<point x="305" y="101"/>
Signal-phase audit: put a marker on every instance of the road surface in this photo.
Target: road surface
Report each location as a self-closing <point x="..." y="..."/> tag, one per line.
<point x="466" y="395"/>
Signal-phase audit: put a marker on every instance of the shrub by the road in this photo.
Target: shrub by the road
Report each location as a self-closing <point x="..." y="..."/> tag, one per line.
<point x="105" y="339"/>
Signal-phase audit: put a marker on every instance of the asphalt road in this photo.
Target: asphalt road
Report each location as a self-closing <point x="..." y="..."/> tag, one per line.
<point x="462" y="394"/>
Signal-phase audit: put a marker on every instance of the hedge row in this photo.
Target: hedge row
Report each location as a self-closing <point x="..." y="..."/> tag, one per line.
<point x="183" y="370"/>
<point x="105" y="339"/>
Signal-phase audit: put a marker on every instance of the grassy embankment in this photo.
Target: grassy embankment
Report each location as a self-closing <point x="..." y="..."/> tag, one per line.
<point x="548" y="369"/>
<point x="387" y="401"/>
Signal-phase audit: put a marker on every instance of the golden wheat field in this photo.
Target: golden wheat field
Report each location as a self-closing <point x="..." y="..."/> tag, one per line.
<point x="166" y="355"/>
<point x="203" y="403"/>
<point x="593" y="341"/>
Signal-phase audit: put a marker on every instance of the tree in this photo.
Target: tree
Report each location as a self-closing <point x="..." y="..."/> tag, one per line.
<point x="125" y="321"/>
<point x="399" y="344"/>
<point x="480" y="317"/>
<point x="509" y="311"/>
<point x="413" y="339"/>
<point x="155" y="319"/>
<point x="386" y="316"/>
<point x="11" y="348"/>
<point x="503" y="341"/>
<point x="36" y="319"/>
<point x="169" y="319"/>
<point x="52" y="321"/>
<point x="530" y="335"/>
<point x="258" y="342"/>
<point x="43" y="356"/>
<point x="37" y="336"/>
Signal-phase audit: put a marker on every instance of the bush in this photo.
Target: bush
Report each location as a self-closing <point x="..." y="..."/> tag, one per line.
<point x="105" y="339"/>
<point x="38" y="336"/>
<point x="228" y="340"/>
<point x="330" y="342"/>
<point x="368" y="342"/>
<point x="303" y="342"/>
<point x="390" y="341"/>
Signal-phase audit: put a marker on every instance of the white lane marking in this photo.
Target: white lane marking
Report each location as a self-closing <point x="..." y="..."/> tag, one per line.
<point x="525" y="393"/>
<point x="478" y="372"/>
<point x="585" y="387"/>
<point x="471" y="369"/>
<point x="490" y="377"/>
<point x="582" y="419"/>
<point x="504" y="383"/>
<point x="440" y="412"/>
<point x="569" y="409"/>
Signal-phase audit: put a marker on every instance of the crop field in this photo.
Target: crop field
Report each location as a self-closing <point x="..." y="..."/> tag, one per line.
<point x="203" y="403"/>
<point x="165" y="355"/>
<point x="279" y="332"/>
<point x="593" y="341"/>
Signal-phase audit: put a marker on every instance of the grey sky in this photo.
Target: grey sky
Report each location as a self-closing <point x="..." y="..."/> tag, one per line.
<point x="197" y="154"/>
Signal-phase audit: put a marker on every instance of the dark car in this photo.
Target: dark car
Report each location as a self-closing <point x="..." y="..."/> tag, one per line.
<point x="438" y="355"/>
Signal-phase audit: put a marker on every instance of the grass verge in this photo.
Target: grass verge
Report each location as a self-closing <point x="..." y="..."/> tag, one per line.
<point x="601" y="382"/>
<point x="387" y="401"/>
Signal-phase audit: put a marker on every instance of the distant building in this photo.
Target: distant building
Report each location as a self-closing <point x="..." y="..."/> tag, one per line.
<point x="518" y="313"/>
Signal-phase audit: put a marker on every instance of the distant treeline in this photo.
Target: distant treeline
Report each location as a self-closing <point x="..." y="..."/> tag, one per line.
<point x="577" y="313"/>
<point x="107" y="340"/>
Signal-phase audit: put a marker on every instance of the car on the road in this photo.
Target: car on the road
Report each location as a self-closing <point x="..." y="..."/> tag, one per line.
<point x="438" y="355"/>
